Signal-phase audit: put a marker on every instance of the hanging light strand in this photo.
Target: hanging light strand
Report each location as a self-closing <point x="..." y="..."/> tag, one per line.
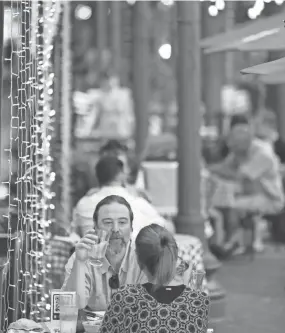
<point x="29" y="158"/>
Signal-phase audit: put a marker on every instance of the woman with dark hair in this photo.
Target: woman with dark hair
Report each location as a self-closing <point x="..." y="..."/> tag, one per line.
<point x="161" y="304"/>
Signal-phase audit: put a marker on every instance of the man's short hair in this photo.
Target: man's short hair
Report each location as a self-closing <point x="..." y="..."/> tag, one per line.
<point x="113" y="199"/>
<point x="107" y="169"/>
<point x="113" y="147"/>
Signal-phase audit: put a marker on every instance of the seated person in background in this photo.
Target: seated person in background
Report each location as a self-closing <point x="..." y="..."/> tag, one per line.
<point x="255" y="169"/>
<point x="265" y="126"/>
<point x="111" y="178"/>
<point x="131" y="166"/>
<point x="161" y="303"/>
<point x="95" y="285"/>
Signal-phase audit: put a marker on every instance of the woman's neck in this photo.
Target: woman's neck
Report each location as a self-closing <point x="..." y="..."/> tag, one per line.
<point x="154" y="281"/>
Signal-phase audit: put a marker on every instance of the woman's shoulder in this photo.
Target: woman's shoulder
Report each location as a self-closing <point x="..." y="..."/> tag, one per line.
<point x="128" y="290"/>
<point x="196" y="295"/>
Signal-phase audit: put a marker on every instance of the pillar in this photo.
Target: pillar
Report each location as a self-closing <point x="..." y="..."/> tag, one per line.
<point x="116" y="40"/>
<point x="189" y="219"/>
<point x="101" y="29"/>
<point x="140" y="73"/>
<point x="189" y="119"/>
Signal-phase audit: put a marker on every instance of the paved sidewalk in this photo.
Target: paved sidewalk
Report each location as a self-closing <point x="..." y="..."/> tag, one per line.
<point x="255" y="293"/>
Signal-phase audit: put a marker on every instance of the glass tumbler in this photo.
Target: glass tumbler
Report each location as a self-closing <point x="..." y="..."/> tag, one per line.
<point x="196" y="278"/>
<point x="69" y="306"/>
<point x="98" y="250"/>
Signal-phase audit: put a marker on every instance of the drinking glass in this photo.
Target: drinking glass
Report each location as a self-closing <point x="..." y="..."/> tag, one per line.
<point x="98" y="250"/>
<point x="68" y="313"/>
<point x="196" y="278"/>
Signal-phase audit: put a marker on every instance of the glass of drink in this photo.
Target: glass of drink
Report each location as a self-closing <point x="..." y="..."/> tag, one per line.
<point x="68" y="313"/>
<point x="196" y="278"/>
<point x="98" y="250"/>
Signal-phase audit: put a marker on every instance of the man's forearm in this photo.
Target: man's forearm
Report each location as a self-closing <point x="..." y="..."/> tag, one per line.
<point x="224" y="172"/>
<point x="76" y="282"/>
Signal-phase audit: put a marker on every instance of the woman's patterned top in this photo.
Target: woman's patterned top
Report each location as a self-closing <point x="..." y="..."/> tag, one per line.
<point x="134" y="310"/>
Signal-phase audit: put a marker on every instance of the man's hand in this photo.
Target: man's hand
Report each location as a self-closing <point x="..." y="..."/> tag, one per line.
<point x="84" y="246"/>
<point x="223" y="171"/>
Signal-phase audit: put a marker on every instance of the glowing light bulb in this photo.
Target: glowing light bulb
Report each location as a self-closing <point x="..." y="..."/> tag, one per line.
<point x="83" y="12"/>
<point x="213" y="10"/>
<point x="168" y="2"/>
<point x="220" y="4"/>
<point x="259" y="6"/>
<point x="279" y="2"/>
<point x="252" y="13"/>
<point x="165" y="51"/>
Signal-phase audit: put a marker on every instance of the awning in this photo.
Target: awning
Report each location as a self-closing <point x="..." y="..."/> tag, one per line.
<point x="244" y="30"/>
<point x="266" y="40"/>
<point x="267" y="68"/>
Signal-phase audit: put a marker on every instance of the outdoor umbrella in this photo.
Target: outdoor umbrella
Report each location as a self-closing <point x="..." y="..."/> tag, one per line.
<point x="266" y="40"/>
<point x="244" y="30"/>
<point x="267" y="68"/>
<point x="276" y="78"/>
<point x="270" y="42"/>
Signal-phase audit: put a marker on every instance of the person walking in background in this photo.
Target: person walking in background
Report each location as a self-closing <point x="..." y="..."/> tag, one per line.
<point x="161" y="303"/>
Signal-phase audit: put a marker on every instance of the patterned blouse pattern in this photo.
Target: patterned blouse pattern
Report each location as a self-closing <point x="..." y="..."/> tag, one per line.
<point x="134" y="310"/>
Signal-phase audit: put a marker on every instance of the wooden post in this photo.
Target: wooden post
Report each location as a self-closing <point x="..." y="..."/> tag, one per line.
<point x="189" y="219"/>
<point x="127" y="43"/>
<point x="1" y="80"/>
<point x="280" y="109"/>
<point x="214" y="66"/>
<point x="140" y="71"/>
<point x="116" y="37"/>
<point x="229" y="25"/>
<point x="101" y="29"/>
<point x="278" y="91"/>
<point x="66" y="113"/>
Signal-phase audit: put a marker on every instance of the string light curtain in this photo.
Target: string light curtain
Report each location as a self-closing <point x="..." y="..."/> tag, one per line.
<point x="30" y="206"/>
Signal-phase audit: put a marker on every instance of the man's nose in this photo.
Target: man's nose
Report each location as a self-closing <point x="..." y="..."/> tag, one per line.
<point x="115" y="227"/>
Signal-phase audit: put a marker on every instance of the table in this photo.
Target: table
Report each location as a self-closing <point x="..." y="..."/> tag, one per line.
<point x="190" y="249"/>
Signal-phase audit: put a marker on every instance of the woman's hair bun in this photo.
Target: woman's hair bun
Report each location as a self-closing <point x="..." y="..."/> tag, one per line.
<point x="163" y="241"/>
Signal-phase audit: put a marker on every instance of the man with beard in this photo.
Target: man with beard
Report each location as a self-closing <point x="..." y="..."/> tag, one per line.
<point x="95" y="285"/>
